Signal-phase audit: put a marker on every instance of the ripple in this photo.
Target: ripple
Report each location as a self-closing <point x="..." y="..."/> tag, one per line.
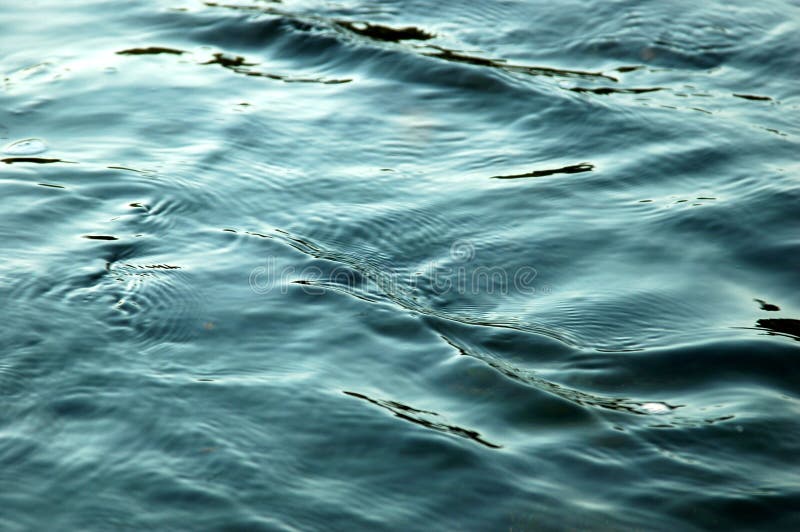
<point x="644" y="375"/>
<point x="156" y="302"/>
<point x="26" y="147"/>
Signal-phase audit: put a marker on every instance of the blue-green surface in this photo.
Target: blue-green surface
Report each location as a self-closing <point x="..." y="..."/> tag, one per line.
<point x="399" y="265"/>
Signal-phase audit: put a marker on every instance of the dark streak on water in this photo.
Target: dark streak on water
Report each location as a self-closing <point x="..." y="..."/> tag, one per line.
<point x="34" y="160"/>
<point x="572" y="169"/>
<point x="754" y="97"/>
<point x="100" y="237"/>
<point x="459" y="57"/>
<point x="413" y="415"/>
<point x="336" y="266"/>
<point x="612" y="90"/>
<point x="151" y="50"/>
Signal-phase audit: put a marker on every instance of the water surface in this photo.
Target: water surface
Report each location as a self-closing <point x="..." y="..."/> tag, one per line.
<point x="402" y="265"/>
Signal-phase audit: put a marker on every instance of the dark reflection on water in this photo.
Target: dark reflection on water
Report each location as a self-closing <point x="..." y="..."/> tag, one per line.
<point x="781" y="326"/>
<point x="767" y="306"/>
<point x="385" y="33"/>
<point x="548" y="250"/>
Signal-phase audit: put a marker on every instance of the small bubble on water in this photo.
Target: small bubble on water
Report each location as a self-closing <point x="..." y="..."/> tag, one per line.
<point x="655" y="408"/>
<point x="25" y="147"/>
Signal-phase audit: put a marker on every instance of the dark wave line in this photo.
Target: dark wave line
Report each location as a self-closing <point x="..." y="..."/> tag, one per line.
<point x="458" y="57"/>
<point x="611" y="90"/>
<point x="412" y="415"/>
<point x="239" y="65"/>
<point x="382" y="33"/>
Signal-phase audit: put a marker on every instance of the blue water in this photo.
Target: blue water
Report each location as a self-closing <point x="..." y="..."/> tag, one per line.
<point x="399" y="265"/>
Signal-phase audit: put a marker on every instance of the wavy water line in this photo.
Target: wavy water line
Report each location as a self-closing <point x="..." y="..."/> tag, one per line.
<point x="529" y="378"/>
<point x="378" y="33"/>
<point x="421" y="42"/>
<point x="388" y="289"/>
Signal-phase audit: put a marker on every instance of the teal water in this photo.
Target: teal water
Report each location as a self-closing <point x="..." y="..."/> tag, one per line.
<point x="399" y="265"/>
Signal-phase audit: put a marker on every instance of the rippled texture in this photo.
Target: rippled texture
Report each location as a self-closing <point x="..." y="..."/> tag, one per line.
<point x="305" y="265"/>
